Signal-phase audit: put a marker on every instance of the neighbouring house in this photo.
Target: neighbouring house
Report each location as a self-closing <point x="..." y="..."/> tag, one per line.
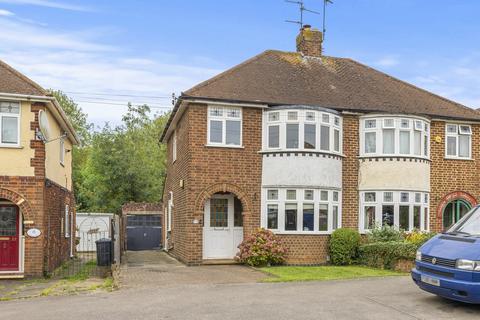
<point x="142" y="223"/>
<point x="302" y="144"/>
<point x="37" y="205"/>
<point x="90" y="227"/>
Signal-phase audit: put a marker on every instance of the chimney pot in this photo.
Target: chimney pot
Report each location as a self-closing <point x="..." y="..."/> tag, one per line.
<point x="309" y="41"/>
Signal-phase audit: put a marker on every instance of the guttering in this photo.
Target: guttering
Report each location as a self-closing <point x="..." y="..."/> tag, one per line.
<point x="59" y="113"/>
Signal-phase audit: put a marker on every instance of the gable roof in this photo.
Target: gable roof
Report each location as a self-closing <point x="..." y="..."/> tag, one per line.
<point x="277" y="77"/>
<point x="14" y="82"/>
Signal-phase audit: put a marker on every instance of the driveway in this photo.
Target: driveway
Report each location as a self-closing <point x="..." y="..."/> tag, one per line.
<point x="173" y="291"/>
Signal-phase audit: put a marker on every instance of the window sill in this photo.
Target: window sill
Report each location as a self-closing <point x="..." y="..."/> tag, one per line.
<point x="392" y="156"/>
<point x="224" y="146"/>
<point x="459" y="159"/>
<point x="6" y="146"/>
<point x="303" y="233"/>
<point x="271" y="151"/>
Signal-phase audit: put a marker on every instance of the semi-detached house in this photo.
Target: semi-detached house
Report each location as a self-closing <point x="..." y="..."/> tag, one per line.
<point x="302" y="144"/>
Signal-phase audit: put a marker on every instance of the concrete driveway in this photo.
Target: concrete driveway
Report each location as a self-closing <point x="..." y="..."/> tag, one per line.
<point x="216" y="293"/>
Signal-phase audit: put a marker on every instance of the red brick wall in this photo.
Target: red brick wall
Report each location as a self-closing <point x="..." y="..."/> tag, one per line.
<point x="451" y="175"/>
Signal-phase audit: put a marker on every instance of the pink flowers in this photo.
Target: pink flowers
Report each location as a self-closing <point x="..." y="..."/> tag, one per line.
<point x="262" y="248"/>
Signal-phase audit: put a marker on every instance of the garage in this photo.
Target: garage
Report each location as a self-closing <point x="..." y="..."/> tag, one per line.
<point x="143" y="226"/>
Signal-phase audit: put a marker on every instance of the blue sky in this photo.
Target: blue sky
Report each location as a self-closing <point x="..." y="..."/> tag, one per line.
<point x="156" y="47"/>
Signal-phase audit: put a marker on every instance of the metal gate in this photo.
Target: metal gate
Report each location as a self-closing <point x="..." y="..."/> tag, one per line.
<point x="143" y="232"/>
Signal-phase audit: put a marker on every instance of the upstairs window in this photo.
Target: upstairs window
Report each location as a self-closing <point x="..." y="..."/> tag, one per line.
<point x="395" y="136"/>
<point x="9" y="123"/>
<point x="224" y="126"/>
<point x="304" y="130"/>
<point x="458" y="141"/>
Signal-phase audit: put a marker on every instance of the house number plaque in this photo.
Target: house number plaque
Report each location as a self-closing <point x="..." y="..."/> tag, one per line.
<point x="34" y="233"/>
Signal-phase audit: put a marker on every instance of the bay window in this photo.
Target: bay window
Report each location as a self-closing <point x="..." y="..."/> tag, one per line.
<point x="9" y="123"/>
<point x="394" y="136"/>
<point x="303" y="211"/>
<point x="405" y="210"/>
<point x="224" y="126"/>
<point x="305" y="129"/>
<point x="458" y="141"/>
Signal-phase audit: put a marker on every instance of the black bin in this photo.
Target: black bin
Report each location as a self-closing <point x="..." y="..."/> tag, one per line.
<point x="104" y="252"/>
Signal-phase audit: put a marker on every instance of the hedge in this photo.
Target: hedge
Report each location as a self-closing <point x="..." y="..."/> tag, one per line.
<point x="386" y="254"/>
<point x="343" y="246"/>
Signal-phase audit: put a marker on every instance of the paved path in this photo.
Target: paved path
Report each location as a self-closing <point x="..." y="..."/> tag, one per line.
<point x="181" y="296"/>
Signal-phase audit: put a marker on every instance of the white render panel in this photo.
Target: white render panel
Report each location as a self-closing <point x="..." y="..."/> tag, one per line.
<point x="302" y="171"/>
<point x="394" y="175"/>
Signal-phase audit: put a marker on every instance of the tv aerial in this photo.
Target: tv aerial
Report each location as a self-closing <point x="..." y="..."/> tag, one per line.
<point x="302" y="9"/>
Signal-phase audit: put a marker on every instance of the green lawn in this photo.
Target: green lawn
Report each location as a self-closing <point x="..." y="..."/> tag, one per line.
<point x="321" y="273"/>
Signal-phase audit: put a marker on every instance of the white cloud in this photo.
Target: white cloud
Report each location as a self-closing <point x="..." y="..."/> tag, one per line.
<point x="49" y="4"/>
<point x="386" y="62"/>
<point x="6" y="13"/>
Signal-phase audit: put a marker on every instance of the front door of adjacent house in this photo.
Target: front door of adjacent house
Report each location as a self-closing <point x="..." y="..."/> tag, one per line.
<point x="9" y="238"/>
<point x="223" y="230"/>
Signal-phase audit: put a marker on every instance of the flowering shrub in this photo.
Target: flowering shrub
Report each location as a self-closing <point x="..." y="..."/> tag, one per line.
<point x="418" y="238"/>
<point x="261" y="248"/>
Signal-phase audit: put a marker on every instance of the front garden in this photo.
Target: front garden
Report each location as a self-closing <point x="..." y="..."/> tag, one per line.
<point x="384" y="251"/>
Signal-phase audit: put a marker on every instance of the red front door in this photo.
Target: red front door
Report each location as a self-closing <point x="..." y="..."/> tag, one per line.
<point x="9" y="237"/>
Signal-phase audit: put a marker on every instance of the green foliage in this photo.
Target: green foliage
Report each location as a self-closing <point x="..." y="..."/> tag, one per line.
<point x="385" y="234"/>
<point x="418" y="238"/>
<point x="344" y="245"/>
<point x="386" y="254"/>
<point x="262" y="248"/>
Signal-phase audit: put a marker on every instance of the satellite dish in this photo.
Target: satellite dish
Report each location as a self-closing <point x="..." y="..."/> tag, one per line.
<point x="44" y="125"/>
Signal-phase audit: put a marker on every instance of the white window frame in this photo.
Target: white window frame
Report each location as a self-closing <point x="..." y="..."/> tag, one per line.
<point x="457" y="139"/>
<point x="395" y="125"/>
<point x="67" y="221"/>
<point x="224" y="118"/>
<point x="12" y="115"/>
<point x="335" y="123"/>
<point x="281" y="201"/>
<point x="396" y="203"/>
<point x="174" y="146"/>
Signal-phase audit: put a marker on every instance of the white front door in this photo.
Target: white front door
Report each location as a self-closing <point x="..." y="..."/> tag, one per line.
<point x="222" y="233"/>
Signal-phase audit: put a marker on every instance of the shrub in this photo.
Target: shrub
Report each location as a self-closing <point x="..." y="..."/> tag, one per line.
<point x="385" y="234"/>
<point x="418" y="238"/>
<point x="386" y="254"/>
<point x="344" y="245"/>
<point x="262" y="248"/>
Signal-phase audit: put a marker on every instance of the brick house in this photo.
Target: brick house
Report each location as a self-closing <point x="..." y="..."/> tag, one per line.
<point x="302" y="144"/>
<point x="37" y="206"/>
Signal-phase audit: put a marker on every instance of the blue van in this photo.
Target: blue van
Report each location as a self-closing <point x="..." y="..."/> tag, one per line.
<point x="448" y="265"/>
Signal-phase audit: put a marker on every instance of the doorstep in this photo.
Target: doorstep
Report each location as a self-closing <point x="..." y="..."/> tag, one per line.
<point x="13" y="275"/>
<point x="219" y="262"/>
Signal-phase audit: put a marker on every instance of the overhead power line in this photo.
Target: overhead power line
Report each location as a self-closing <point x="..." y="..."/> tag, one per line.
<point x="125" y="104"/>
<point x="118" y="95"/>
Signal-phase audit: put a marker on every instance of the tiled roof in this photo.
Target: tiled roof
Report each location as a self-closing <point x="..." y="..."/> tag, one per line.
<point x="277" y="77"/>
<point x="12" y="81"/>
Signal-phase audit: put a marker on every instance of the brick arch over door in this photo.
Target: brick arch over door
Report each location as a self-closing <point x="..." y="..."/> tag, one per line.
<point x="222" y="187"/>
<point x="19" y="200"/>
<point x="456" y="195"/>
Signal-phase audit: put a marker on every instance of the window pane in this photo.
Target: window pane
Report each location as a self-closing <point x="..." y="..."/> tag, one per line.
<point x="370" y="142"/>
<point x="387" y="215"/>
<point x="310" y="136"/>
<point x="292" y="115"/>
<point x="308" y="195"/>
<point x="218" y="212"/>
<point x="335" y="196"/>
<point x="272" y="216"/>
<point x="273" y="116"/>
<point x="370" y="124"/>
<point x="323" y="217"/>
<point x="310" y="116"/>
<point x="417" y="143"/>
<point x="388" y="141"/>
<point x="233" y="132"/>
<point x="452" y="146"/>
<point x="10" y="107"/>
<point x="464" y="146"/>
<point x="418" y="197"/>
<point x="291" y="194"/>
<point x="324" y="195"/>
<point x="336" y="140"/>
<point x="336" y="121"/>
<point x="325" y="118"/>
<point x="216" y="128"/>
<point x="404" y="142"/>
<point x="292" y="136"/>
<point x="388" y="196"/>
<point x="308" y="214"/>
<point x="291" y="216"/>
<point x="416" y="217"/>
<point x="369" y="218"/>
<point x="274" y="136"/>
<point x="426" y="221"/>
<point x="404" y="197"/>
<point x="325" y="138"/>
<point x="233" y="112"/>
<point x="335" y="218"/>
<point x="388" y="123"/>
<point x="216" y="112"/>
<point x="369" y="196"/>
<point x="451" y="128"/>
<point x="272" y="194"/>
<point x="425" y="145"/>
<point x="8" y="218"/>
<point x="405" y="123"/>
<point x="9" y="130"/>
<point x="404" y="217"/>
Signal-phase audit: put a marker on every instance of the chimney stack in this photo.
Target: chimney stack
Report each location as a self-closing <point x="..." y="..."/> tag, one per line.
<point x="309" y="41"/>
